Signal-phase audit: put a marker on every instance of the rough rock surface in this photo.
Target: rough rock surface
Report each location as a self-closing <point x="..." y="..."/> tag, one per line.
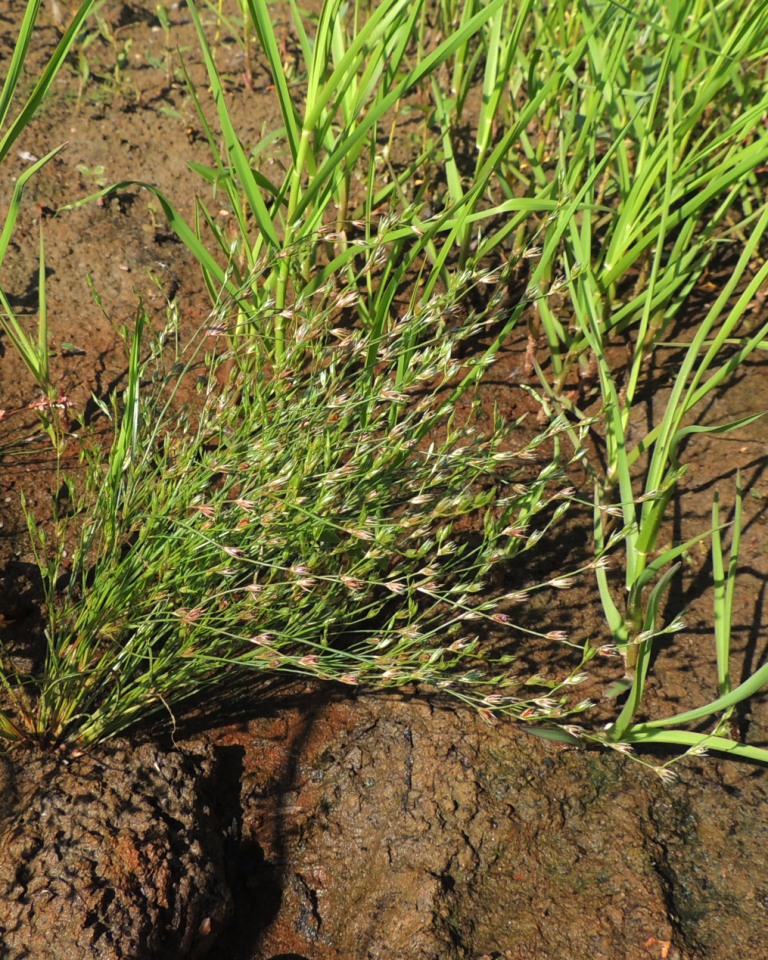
<point x="110" y="855"/>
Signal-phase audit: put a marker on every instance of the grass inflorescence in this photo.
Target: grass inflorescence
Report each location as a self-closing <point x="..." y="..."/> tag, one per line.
<point x="331" y="507"/>
<point x="305" y="520"/>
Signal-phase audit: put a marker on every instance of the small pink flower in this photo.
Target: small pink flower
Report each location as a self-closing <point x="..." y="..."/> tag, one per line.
<point x="494" y="699"/>
<point x="187" y="615"/>
<point x="514" y="532"/>
<point x="362" y="534"/>
<point x="45" y="403"/>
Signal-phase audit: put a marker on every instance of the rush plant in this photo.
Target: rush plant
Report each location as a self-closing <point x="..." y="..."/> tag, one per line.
<point x="312" y="522"/>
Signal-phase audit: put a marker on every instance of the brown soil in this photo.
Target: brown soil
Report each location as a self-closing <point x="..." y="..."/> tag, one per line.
<point x="154" y="885"/>
<point x="322" y="826"/>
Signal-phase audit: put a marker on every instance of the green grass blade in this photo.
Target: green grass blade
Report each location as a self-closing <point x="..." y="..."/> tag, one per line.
<point x="46" y="77"/>
<point x="233" y="147"/>
<point x="178" y="224"/>
<point x="644" y="649"/>
<point x="18" y="57"/>
<point x="42" y="320"/>
<point x="616" y="622"/>
<point x="703" y="741"/>
<point x="15" y="203"/>
<point x="754" y="684"/>
<point x="262" y="20"/>
<point x="415" y="75"/>
<point x="733" y="564"/>
<point x="125" y="446"/>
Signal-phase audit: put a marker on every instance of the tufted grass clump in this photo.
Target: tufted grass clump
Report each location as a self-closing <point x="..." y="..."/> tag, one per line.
<point x="319" y="519"/>
<point x="335" y="504"/>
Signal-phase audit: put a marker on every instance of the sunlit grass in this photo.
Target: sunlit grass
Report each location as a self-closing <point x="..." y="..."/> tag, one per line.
<point x="617" y="155"/>
<point x="315" y="521"/>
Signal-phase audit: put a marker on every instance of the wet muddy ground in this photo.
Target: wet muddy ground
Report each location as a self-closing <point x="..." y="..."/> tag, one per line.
<point x="302" y="822"/>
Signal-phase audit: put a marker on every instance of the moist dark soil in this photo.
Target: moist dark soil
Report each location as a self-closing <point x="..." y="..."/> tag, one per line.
<point x="318" y="824"/>
<point x="154" y="885"/>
